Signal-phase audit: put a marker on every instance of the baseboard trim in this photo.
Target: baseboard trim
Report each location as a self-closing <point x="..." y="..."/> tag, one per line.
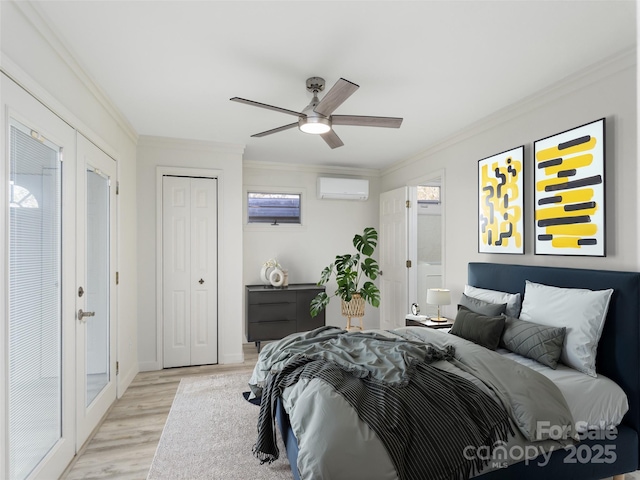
<point x="149" y="366"/>
<point x="125" y="380"/>
<point x="231" y="358"/>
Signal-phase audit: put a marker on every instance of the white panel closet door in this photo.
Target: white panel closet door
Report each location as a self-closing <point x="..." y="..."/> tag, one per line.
<point x="189" y="240"/>
<point x="176" y="266"/>
<point x="204" y="271"/>
<point x="394" y="254"/>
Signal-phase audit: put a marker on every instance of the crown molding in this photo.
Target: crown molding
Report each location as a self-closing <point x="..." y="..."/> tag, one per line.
<point x="369" y="172"/>
<point x="37" y="18"/>
<point x="149" y="141"/>
<point x="27" y="83"/>
<point x="623" y="60"/>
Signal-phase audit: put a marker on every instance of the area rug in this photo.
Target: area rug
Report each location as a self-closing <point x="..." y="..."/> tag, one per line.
<point x="209" y="434"/>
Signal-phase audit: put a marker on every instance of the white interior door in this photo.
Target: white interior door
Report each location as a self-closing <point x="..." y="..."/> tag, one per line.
<point x="37" y="340"/>
<point x="96" y="294"/>
<point x="393" y="247"/>
<point x="189" y="244"/>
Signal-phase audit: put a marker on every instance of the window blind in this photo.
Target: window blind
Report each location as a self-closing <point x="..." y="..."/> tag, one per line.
<point x="34" y="299"/>
<point x="273" y="208"/>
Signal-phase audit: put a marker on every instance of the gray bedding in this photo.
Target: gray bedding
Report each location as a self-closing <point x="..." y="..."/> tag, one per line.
<point x="335" y="443"/>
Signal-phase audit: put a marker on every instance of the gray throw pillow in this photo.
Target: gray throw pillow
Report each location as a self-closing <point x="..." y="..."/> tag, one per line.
<point x="481" y="329"/>
<point x="480" y="306"/>
<point x="538" y="342"/>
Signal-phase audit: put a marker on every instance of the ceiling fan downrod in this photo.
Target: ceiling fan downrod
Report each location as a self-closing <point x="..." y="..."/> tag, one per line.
<point x="314" y="122"/>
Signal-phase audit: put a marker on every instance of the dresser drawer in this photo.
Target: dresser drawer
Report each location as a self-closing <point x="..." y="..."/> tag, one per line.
<point x="270" y="330"/>
<point x="272" y="312"/>
<point x="311" y="323"/>
<point x="272" y="296"/>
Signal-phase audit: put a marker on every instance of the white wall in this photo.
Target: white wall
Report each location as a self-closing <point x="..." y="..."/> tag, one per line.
<point x="605" y="90"/>
<point x="226" y="160"/>
<point x="328" y="229"/>
<point x="34" y="57"/>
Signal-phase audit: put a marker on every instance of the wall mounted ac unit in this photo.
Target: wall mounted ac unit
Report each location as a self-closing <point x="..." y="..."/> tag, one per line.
<point x="343" y="188"/>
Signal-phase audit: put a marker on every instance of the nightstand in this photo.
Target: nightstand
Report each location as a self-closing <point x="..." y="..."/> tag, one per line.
<point x="422" y="321"/>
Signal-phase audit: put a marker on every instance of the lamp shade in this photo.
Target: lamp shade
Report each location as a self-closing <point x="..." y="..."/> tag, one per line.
<point x="438" y="296"/>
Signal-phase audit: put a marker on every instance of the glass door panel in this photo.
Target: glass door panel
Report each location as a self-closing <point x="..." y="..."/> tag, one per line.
<point x="35" y="280"/>
<point x="97" y="289"/>
<point x="96" y="300"/>
<point x="429" y="243"/>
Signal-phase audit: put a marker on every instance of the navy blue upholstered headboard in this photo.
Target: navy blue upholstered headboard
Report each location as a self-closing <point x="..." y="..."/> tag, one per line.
<point x="619" y="348"/>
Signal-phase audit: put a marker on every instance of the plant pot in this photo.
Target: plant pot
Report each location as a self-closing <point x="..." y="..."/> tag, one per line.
<point x="353" y="309"/>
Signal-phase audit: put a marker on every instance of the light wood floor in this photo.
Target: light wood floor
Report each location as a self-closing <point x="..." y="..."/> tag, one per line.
<point x="123" y="446"/>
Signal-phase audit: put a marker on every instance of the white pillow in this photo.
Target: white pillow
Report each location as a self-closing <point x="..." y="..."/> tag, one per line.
<point x="493" y="296"/>
<point x="581" y="311"/>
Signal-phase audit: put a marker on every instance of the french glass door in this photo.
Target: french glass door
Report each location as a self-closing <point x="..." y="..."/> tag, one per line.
<point x="96" y="299"/>
<point x="37" y="398"/>
<point x="57" y="347"/>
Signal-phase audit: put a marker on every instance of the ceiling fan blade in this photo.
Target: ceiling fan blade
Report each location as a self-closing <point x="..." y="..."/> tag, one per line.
<point x="364" y="121"/>
<point x="342" y="90"/>
<point x="268" y="107"/>
<point x="332" y="139"/>
<point x="276" y="130"/>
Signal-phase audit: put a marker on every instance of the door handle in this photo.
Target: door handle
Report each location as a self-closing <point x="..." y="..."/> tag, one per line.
<point x="82" y="314"/>
<point x="201" y="281"/>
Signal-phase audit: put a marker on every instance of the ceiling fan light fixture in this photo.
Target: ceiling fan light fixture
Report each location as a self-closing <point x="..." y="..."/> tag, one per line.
<point x="314" y="125"/>
<point x="317" y="118"/>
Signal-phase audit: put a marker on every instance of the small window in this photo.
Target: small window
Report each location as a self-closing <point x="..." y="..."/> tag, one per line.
<point x="428" y="194"/>
<point x="273" y="208"/>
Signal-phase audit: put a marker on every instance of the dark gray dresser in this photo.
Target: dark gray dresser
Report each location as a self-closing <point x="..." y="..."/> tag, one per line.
<point x="273" y="313"/>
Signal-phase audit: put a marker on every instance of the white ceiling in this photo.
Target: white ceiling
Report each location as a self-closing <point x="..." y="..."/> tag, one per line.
<point x="172" y="66"/>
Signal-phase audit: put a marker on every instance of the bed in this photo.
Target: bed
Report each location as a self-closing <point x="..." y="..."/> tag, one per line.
<point x="600" y="455"/>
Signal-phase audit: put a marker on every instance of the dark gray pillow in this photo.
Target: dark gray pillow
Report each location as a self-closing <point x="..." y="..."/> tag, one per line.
<point x="538" y="342"/>
<point x="480" y="306"/>
<point x="481" y="329"/>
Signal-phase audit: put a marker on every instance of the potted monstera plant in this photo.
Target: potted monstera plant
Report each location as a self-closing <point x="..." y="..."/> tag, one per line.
<point x="354" y="274"/>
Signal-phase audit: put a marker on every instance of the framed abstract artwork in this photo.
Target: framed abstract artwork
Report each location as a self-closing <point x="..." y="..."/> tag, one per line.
<point x="501" y="202"/>
<point x="569" y="192"/>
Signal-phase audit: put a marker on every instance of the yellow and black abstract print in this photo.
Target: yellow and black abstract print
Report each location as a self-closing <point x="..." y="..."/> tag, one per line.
<point x="569" y="192"/>
<point x="500" y="202"/>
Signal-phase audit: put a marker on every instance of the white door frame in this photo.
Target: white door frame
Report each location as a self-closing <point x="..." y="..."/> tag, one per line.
<point x="181" y="172"/>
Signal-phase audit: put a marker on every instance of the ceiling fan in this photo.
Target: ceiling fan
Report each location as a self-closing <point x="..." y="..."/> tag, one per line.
<point x="317" y="118"/>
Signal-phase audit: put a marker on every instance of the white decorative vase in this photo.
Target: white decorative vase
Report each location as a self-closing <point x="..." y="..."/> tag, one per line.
<point x="264" y="274"/>
<point x="276" y="277"/>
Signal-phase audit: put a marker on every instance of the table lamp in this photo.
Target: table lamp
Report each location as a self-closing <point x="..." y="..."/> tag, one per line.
<point x="438" y="296"/>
